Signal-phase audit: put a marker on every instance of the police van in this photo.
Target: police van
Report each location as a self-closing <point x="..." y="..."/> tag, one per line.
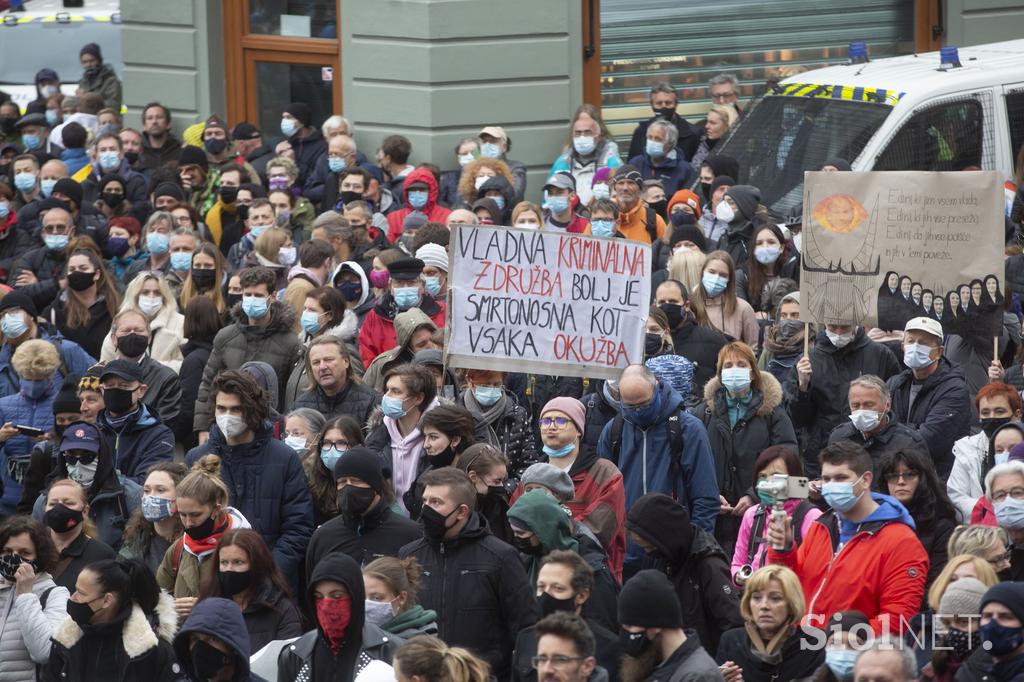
<point x="957" y="109"/>
<point x="48" y="35"/>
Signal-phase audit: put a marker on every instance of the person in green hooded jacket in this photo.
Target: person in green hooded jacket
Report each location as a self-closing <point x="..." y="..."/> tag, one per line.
<point x="539" y="526"/>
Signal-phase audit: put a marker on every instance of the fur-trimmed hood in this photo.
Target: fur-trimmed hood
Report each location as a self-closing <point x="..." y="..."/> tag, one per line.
<point x="771" y="392"/>
<point x="138" y="635"/>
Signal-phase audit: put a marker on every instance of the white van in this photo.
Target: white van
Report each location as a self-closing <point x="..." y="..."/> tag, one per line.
<point x="902" y="113"/>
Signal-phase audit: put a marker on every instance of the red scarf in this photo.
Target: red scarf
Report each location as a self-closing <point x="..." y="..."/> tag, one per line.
<point x="334" y="615"/>
<point x="210" y="542"/>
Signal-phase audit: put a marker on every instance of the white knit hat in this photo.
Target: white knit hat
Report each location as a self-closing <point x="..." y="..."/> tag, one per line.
<point x="433" y="254"/>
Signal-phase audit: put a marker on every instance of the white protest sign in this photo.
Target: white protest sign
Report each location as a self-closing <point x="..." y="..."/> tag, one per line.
<point x="546" y="302"/>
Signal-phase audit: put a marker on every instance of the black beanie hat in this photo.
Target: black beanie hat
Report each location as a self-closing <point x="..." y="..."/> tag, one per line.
<point x="193" y="156"/>
<point x="301" y="111"/>
<point x="18" y="299"/>
<point x="93" y="49"/>
<point x="67" y="399"/>
<point x="747" y="197"/>
<point x="169" y="189"/>
<point x="1010" y="595"/>
<point x="361" y="463"/>
<point x="649" y="600"/>
<point x="691" y="233"/>
<point x="109" y="178"/>
<point x="719" y="181"/>
<point x="71" y="189"/>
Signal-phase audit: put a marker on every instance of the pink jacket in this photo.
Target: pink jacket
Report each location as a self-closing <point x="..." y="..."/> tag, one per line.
<point x="739" y="556"/>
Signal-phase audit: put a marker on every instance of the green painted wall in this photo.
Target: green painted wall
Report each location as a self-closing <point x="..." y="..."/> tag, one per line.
<point x="974" y="22"/>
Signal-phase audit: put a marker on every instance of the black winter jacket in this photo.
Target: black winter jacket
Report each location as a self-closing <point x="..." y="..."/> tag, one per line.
<point x="271" y="615"/>
<point x="700" y="345"/>
<point x="689" y="138"/>
<point x="893" y="438"/>
<point x="141" y="442"/>
<point x="941" y="413"/>
<point x="511" y="433"/>
<point x="826" y="403"/>
<point x="196" y="353"/>
<point x="607" y="652"/>
<point x="90" y="336"/>
<point x="48" y="267"/>
<point x="381" y="532"/>
<point x="796" y="660"/>
<point x="356" y="400"/>
<point x="479" y="589"/>
<point x="599" y="413"/>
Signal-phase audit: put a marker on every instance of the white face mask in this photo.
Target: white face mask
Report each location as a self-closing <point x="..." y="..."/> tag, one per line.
<point x="865" y="420"/>
<point x="150" y="305"/>
<point x="839" y="340"/>
<point x="480" y="180"/>
<point x="83" y="474"/>
<point x="231" y="425"/>
<point x="798" y="240"/>
<point x="724" y="212"/>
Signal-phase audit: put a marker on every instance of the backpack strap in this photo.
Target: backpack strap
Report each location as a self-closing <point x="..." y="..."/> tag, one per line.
<point x="617" y="423"/>
<point x="651" y="223"/>
<point x="44" y="596"/>
<point x="799" y="514"/>
<point x="756" y="529"/>
<point x="179" y="549"/>
<point x="675" y="443"/>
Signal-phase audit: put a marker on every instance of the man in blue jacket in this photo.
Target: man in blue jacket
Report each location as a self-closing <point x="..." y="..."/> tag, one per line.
<point x="661" y="159"/>
<point x="264" y="476"/>
<point x="662" y="449"/>
<point x="139" y="438"/>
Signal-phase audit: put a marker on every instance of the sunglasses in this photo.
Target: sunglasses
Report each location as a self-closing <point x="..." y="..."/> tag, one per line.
<point x="84" y="459"/>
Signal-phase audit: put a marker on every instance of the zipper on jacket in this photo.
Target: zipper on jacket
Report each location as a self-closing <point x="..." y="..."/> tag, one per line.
<point x="828" y="569"/>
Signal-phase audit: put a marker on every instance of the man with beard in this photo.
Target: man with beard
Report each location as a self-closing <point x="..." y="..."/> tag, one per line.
<point x="654" y="644"/>
<point x="565" y="651"/>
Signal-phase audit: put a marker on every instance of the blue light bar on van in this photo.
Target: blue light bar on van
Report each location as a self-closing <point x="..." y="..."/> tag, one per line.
<point x="949" y="58"/>
<point x="858" y="52"/>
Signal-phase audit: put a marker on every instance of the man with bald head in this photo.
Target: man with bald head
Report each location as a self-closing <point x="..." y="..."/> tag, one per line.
<point x="660" y="448"/>
<point x="461" y="216"/>
<point x="887" y="660"/>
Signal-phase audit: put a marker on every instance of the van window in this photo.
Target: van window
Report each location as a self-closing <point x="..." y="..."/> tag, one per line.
<point x="1015" y="115"/>
<point x="943" y="137"/>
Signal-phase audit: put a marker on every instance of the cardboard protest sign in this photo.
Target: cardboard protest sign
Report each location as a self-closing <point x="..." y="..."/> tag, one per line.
<point x="546" y="302"/>
<point x="883" y="247"/>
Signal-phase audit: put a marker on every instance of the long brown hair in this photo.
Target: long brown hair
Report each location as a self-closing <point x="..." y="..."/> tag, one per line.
<point x="322" y="486"/>
<point x="699" y="300"/>
<point x="141" y="531"/>
<point x="262" y="566"/>
<point x="188" y="289"/>
<point x="76" y="313"/>
<point x="756" y="277"/>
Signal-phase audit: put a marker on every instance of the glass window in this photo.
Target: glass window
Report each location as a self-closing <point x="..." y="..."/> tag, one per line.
<point x="297" y="18"/>
<point x="1015" y="115"/>
<point x="943" y="137"/>
<point x="280" y="84"/>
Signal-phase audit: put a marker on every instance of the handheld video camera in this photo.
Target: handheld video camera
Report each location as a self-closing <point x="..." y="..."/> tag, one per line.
<point x="780" y="488"/>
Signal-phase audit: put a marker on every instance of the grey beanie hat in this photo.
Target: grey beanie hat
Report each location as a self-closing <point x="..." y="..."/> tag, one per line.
<point x="962" y="597"/>
<point x="551" y="477"/>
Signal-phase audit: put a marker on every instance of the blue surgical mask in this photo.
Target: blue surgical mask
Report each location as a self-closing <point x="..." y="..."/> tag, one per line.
<point x="840" y="496"/>
<point x="51" y="117"/>
<point x="158" y="243"/>
<point x="13" y="325"/>
<point x="561" y="452"/>
<point x="407" y="297"/>
<point x="392" y="407"/>
<point x="336" y="164"/>
<point x="25" y="182"/>
<point x="34" y="390"/>
<point x="5" y="209"/>
<point x="255" y="307"/>
<point x="917" y="355"/>
<point x="296" y="443"/>
<point x="289" y="126"/>
<point x="156" y="508"/>
<point x="180" y="260"/>
<point x="500" y="201"/>
<point x="736" y="379"/>
<point x="713" y="284"/>
<point x="1009" y="513"/>
<point x="602" y="228"/>
<point x="46" y="186"/>
<point x="330" y="457"/>
<point x="487" y="395"/>
<point x="654" y="149"/>
<point x="418" y="198"/>
<point x="109" y="160"/>
<point x="490" y="150"/>
<point x="310" y="321"/>
<point x="256" y="230"/>
<point x="557" y="205"/>
<point x="432" y="285"/>
<point x="601" y="191"/>
<point x="56" y="242"/>
<point x="767" y="254"/>
<point x="840" y="662"/>
<point x="584" y="145"/>
<point x="31" y="141"/>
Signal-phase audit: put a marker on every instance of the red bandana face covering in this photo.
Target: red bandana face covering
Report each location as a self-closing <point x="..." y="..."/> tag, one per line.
<point x="334" y="615"/>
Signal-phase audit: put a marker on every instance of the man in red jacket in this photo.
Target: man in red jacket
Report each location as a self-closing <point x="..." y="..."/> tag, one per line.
<point x="864" y="555"/>
<point x="419" y="193"/>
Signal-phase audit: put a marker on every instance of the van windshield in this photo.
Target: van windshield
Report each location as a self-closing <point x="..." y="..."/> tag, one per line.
<point x="784" y="136"/>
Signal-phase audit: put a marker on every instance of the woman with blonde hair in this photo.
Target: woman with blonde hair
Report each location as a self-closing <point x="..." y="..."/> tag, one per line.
<point x="477" y="172"/>
<point x="716" y="300"/>
<point x="271" y="250"/>
<point x="686" y="267"/>
<point x="770" y="645"/>
<point x="84" y="311"/>
<point x="204" y="277"/>
<point x="527" y="215"/>
<point x="720" y="120"/>
<point x="202" y="505"/>
<point x="431" y="660"/>
<point x="391" y="586"/>
<point x="991" y="543"/>
<point x="150" y="295"/>
<point x="958" y="567"/>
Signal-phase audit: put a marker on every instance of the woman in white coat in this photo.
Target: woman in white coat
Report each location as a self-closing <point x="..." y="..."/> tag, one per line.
<point x="152" y="296"/>
<point x="31" y="605"/>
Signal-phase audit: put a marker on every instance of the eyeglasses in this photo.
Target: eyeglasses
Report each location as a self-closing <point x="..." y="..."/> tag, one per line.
<point x="560" y="422"/>
<point x="556" y="661"/>
<point x="337" y="444"/>
<point x="908" y="476"/>
<point x="1002" y="558"/>
<point x="84" y="459"/>
<point x="1015" y="493"/>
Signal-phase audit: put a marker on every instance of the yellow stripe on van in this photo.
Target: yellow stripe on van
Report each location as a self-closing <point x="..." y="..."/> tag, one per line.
<point x="844" y="92"/>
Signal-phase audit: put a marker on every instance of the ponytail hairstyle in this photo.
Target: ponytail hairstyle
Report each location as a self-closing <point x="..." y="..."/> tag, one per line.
<point x="435" y="661"/>
<point x="480" y="458"/>
<point x="400" y="575"/>
<point x="203" y="484"/>
<point x="130" y="580"/>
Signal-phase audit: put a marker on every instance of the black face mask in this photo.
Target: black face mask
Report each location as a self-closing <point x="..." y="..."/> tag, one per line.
<point x="549" y="604"/>
<point x="666" y="113"/>
<point x="991" y="424"/>
<point x="215" y="146"/>
<point x="234" y="582"/>
<point x="7" y="124"/>
<point x="228" y="194"/>
<point x="203" y="530"/>
<point x="653" y="343"/>
<point x="62" y="519"/>
<point x="705" y="191"/>
<point x="232" y="300"/>
<point x="80" y="281"/>
<point x="353" y="501"/>
<point x="131" y="157"/>
<point x="203" y="279"/>
<point x="682" y="218"/>
<point x="444" y="459"/>
<point x="207" y="660"/>
<point x="243" y="211"/>
<point x="118" y="400"/>
<point x="59" y="430"/>
<point x="434" y="523"/>
<point x="349" y="197"/>
<point x="9" y="564"/>
<point x="659" y="207"/>
<point x="633" y="644"/>
<point x="526" y="546"/>
<point x="132" y="345"/>
<point x="674" y="313"/>
<point x="80" y="612"/>
<point x="112" y="199"/>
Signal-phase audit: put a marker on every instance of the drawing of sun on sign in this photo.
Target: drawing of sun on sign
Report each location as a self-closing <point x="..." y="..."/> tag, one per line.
<point x="840" y="261"/>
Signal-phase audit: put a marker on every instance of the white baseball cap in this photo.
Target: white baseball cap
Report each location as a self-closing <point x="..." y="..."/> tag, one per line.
<point x="925" y="324"/>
